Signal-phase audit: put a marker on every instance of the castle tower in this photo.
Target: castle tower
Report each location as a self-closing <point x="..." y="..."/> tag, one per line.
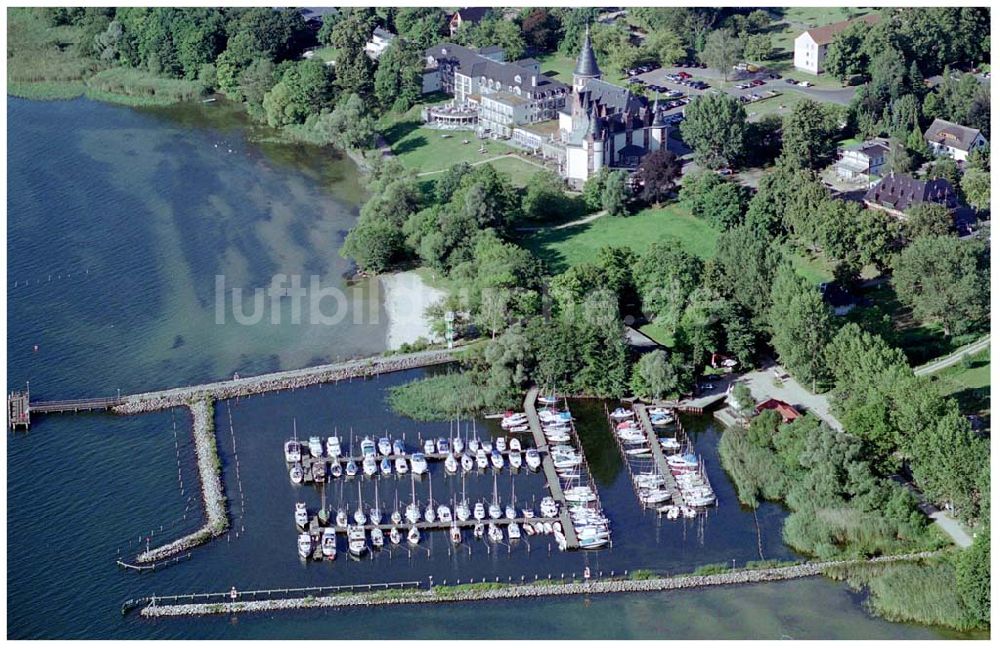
<point x="586" y="64"/>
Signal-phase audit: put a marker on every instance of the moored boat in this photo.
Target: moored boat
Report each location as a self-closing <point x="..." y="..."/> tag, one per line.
<point x="315" y="446"/>
<point x="304" y="544"/>
<point x="293" y="453"/>
<point x="329" y="544"/>
<point x="295" y="473"/>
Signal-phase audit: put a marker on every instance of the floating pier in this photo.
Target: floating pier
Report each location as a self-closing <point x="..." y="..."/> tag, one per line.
<point x="670" y="484"/>
<point x="548" y="467"/>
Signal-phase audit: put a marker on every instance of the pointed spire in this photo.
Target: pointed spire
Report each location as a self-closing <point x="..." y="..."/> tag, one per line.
<point x="586" y="63"/>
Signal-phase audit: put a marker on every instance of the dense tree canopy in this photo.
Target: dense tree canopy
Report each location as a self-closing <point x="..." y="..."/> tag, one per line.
<point x="715" y="126"/>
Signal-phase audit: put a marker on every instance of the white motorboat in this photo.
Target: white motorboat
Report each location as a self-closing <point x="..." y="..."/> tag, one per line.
<point x="418" y="463"/>
<point x="295" y="473"/>
<point x="336" y="470"/>
<point x="494" y="534"/>
<point x="518" y="428"/>
<point x="455" y="533"/>
<point x="515" y="444"/>
<point x="293" y="453"/>
<point x="529" y="529"/>
<point x="333" y="447"/>
<point x="580" y="494"/>
<point x="477" y="530"/>
<point x="501" y="444"/>
<point x="659" y="411"/>
<point x="654" y="496"/>
<point x="533" y="459"/>
<point x="368" y="447"/>
<point x="444" y="513"/>
<point x="620" y="414"/>
<point x="412" y="513"/>
<point x="369" y="466"/>
<point x="305" y="545"/>
<point x="638" y="452"/>
<point x="549" y="399"/>
<point x="384" y="446"/>
<point x="496" y="459"/>
<point x="700" y="500"/>
<point x="329" y="544"/>
<point x="397" y="447"/>
<point x="315" y="446"/>
<point x="451" y="464"/>
<point x="557" y="437"/>
<point x="356" y="543"/>
<point x="549" y="508"/>
<point x="467" y="463"/>
<point x="341" y="518"/>
<point x="528" y="513"/>
<point x="673" y="511"/>
<point x="648" y="480"/>
<point x="539" y="528"/>
<point x="683" y="461"/>
<point x="547" y="527"/>
<point x="479" y="511"/>
<point x="670" y="443"/>
<point x="385" y="467"/>
<point x="591" y="543"/>
<point x="688" y="512"/>
<point x="401" y="466"/>
<point x="301" y="515"/>
<point x="429" y="446"/>
<point x="413" y="535"/>
<point x="481" y="461"/>
<point x="515" y="459"/>
<point x="378" y="538"/>
<point x="395" y="537"/>
<point x="351" y="469"/>
<point x="462" y="511"/>
<point x="443" y="446"/>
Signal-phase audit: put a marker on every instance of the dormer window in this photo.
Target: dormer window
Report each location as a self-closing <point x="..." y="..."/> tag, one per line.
<point x="517" y="78"/>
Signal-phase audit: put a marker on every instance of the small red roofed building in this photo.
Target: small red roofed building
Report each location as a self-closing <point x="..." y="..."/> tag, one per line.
<point x="787" y="412"/>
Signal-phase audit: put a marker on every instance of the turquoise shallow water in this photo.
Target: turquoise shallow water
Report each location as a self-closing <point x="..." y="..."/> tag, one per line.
<point x="132" y="214"/>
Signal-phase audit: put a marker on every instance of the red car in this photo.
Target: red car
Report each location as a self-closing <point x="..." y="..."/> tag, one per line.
<point x="756" y="82"/>
<point x="684" y="75"/>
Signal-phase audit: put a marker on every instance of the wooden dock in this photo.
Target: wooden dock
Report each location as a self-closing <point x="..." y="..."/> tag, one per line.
<point x="669" y="483"/>
<point x="551" y="476"/>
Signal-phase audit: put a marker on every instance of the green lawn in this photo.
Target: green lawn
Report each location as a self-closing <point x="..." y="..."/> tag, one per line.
<point x="969" y="384"/>
<point x="659" y="334"/>
<point x="520" y="171"/>
<point x="562" y="248"/>
<point x="815" y="268"/>
<point x="325" y="53"/>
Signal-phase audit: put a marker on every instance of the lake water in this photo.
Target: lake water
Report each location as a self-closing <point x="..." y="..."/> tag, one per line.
<point x="132" y="214"/>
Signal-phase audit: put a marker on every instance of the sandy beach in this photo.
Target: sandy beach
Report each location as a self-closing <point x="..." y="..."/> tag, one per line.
<point x="406" y="298"/>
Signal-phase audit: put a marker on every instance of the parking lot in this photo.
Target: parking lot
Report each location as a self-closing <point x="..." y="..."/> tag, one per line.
<point x="677" y="83"/>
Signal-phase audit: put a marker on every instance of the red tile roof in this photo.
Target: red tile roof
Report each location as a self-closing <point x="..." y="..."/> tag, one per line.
<point x="824" y="35"/>
<point x="787" y="412"/>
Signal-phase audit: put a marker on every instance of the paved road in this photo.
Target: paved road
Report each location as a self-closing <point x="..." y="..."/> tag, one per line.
<point x="937" y="365"/>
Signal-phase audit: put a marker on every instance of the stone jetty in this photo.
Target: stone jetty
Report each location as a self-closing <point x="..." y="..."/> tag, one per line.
<point x="213" y="497"/>
<point x="281" y="380"/>
<point x="491" y="592"/>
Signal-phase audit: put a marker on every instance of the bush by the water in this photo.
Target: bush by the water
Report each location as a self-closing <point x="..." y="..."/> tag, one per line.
<point x="131" y="86"/>
<point x="840" y="507"/>
<point x="438" y="397"/>
<point x="922" y="592"/>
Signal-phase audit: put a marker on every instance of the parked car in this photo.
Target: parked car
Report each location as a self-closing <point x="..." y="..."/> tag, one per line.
<point x="756" y="82"/>
<point x="742" y="86"/>
<point x="804" y="84"/>
<point x="791" y="80"/>
<point x="684" y="75"/>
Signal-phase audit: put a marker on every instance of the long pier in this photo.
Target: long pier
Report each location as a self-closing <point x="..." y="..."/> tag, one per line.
<point x="20" y="409"/>
<point x="669" y="482"/>
<point x="551" y="476"/>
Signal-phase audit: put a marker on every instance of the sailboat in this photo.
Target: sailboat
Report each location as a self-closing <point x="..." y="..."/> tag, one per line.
<point x="429" y="513"/>
<point x="385" y="466"/>
<point x="495" y="512"/>
<point x="375" y="514"/>
<point x="413" y="535"/>
<point x="513" y="531"/>
<point x="467" y="463"/>
<point x="336" y="470"/>
<point x="455" y="533"/>
<point x="494" y="533"/>
<point x="295" y="473"/>
<point x="412" y="511"/>
<point x="378" y="538"/>
<point x="395" y="537"/>
<point x="359" y="515"/>
<point x="451" y="464"/>
<point x="323" y="516"/>
<point x="395" y="516"/>
<point x="462" y="508"/>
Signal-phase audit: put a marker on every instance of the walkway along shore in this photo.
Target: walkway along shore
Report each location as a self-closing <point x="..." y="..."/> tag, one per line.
<point x="280" y="380"/>
<point x="496" y="591"/>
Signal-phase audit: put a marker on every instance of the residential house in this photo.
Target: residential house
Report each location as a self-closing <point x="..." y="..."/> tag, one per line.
<point x="898" y="192"/>
<point x="379" y="42"/>
<point x="863" y="161"/>
<point x="953" y="140"/>
<point x="811" y="45"/>
<point x="787" y="412"/>
<point x="471" y="15"/>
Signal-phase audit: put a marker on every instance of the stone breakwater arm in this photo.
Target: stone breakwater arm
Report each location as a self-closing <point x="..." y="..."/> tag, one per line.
<point x="277" y="381"/>
<point x="210" y="475"/>
<point x="499" y="592"/>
